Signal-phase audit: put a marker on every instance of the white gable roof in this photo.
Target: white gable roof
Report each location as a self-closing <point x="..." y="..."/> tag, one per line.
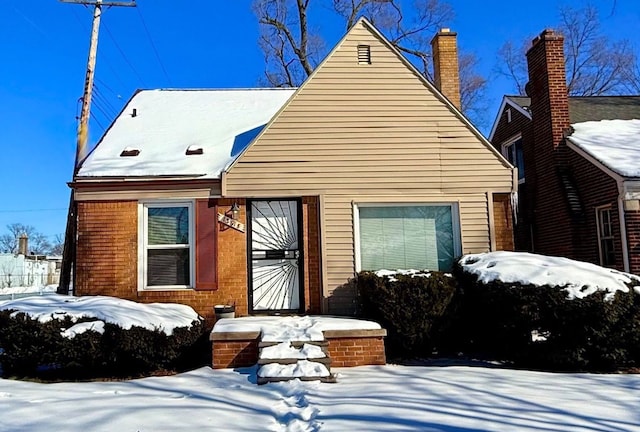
<point x="615" y="143"/>
<point x="168" y="122"/>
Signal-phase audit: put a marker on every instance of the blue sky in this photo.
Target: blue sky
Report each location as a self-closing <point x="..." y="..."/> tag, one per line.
<point x="201" y="44"/>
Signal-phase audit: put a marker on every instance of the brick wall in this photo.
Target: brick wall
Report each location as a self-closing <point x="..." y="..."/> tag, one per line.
<point x="550" y="112"/>
<point x="503" y="221"/>
<point x="107" y="251"/>
<point x="312" y="255"/>
<point x="232" y="354"/>
<point x="107" y="259"/>
<point x="238" y="350"/>
<point x="356" y="351"/>
<point x="596" y="189"/>
<point x="445" y="65"/>
<point x="107" y="262"/>
<point x="632" y="219"/>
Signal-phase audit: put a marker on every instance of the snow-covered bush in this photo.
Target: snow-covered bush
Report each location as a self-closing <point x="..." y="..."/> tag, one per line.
<point x="42" y="338"/>
<point x="415" y="308"/>
<point x="547" y="312"/>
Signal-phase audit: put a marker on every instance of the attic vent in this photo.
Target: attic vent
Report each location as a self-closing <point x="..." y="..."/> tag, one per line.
<point x="194" y="150"/>
<point x="508" y="115"/>
<point x="128" y="151"/>
<point x="364" y="54"/>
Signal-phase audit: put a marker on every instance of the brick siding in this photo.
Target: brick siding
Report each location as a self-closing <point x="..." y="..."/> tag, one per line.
<point x="107" y="258"/>
<point x="355" y="351"/>
<point x="232" y="354"/>
<point x="348" y="351"/>
<point x="632" y="219"/>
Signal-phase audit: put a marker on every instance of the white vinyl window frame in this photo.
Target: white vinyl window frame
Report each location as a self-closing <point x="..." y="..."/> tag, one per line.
<point x="455" y="224"/>
<point x="506" y="147"/>
<point x="143" y="223"/>
<point x="602" y="223"/>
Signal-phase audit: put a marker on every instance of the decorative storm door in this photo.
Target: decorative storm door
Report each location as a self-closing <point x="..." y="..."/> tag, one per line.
<point x="275" y="264"/>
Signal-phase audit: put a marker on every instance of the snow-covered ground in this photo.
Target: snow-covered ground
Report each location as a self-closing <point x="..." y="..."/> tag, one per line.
<point x="369" y="398"/>
<point x="10" y="293"/>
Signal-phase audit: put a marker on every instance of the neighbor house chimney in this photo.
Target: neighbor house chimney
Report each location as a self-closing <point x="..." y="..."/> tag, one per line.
<point x="547" y="88"/>
<point x="23" y="244"/>
<point x="446" y="73"/>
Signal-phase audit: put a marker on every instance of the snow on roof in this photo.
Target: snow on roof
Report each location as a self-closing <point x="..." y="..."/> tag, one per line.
<point x="279" y="329"/>
<point x="578" y="278"/>
<point x="162" y="316"/>
<point x="162" y="124"/>
<point x="615" y="143"/>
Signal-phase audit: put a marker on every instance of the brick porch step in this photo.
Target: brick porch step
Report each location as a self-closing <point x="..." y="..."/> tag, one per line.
<point x="295" y="344"/>
<point x="263" y="361"/>
<point x="290" y="365"/>
<point x="329" y="379"/>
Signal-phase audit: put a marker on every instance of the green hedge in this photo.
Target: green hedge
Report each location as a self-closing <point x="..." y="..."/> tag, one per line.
<point x="38" y="350"/>
<point x="500" y="321"/>
<point x="527" y="326"/>
<point x="415" y="310"/>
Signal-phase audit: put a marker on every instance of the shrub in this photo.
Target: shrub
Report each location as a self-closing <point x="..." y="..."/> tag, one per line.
<point x="500" y="321"/>
<point x="39" y="350"/>
<point x="415" y="310"/>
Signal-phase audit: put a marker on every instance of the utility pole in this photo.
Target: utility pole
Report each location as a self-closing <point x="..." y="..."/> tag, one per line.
<point x="69" y="251"/>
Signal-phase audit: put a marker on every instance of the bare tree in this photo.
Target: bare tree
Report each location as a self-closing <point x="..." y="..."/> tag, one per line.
<point x="293" y="47"/>
<point x="38" y="242"/>
<point x="57" y="246"/>
<point x="595" y="64"/>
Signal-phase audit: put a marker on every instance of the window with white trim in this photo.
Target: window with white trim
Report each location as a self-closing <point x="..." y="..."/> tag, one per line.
<point x="605" y="236"/>
<point x="512" y="150"/>
<point x="167" y="245"/>
<point x="407" y="236"/>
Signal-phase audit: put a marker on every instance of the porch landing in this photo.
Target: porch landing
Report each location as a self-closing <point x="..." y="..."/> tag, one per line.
<point x="236" y="342"/>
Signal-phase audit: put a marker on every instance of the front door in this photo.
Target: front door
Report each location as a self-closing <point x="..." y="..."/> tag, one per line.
<point x="275" y="263"/>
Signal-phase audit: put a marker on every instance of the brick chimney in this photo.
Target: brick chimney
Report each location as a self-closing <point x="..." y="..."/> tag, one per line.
<point x="547" y="88"/>
<point x="544" y="151"/>
<point x="445" y="65"/>
<point x="23" y="244"/>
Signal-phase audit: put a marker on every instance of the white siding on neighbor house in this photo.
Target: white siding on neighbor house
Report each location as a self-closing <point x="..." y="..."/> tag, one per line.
<point x="375" y="133"/>
<point x="18" y="271"/>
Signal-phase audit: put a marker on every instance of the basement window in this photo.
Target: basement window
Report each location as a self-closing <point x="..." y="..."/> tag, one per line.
<point x="364" y="54"/>
<point x="129" y="151"/>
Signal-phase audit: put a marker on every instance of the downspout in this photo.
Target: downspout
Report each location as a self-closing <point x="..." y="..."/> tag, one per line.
<point x="623" y="226"/>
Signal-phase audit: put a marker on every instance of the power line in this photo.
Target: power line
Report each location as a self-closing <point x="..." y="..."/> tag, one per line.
<point x="33" y="210"/>
<point x="153" y="46"/>
<point x="93" y="116"/>
<point x="124" y="56"/>
<point x="101" y="97"/>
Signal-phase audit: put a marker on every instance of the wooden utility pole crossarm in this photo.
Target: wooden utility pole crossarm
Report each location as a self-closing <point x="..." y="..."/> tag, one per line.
<point x="68" y="254"/>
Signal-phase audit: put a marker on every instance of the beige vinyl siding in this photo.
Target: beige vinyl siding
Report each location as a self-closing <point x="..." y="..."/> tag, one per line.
<point x="375" y="133"/>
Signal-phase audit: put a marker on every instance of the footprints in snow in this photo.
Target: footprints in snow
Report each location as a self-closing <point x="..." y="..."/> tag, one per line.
<point x="293" y="412"/>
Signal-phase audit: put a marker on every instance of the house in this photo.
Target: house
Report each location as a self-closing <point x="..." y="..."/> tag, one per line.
<point x="272" y="199"/>
<point x="577" y="160"/>
<point x="27" y="270"/>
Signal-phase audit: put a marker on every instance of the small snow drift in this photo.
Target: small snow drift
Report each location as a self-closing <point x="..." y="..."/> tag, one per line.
<point x="579" y="279"/>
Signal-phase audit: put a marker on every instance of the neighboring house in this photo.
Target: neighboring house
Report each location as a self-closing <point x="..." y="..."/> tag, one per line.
<point x="20" y="271"/>
<point x="578" y="161"/>
<point x="272" y="199"/>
